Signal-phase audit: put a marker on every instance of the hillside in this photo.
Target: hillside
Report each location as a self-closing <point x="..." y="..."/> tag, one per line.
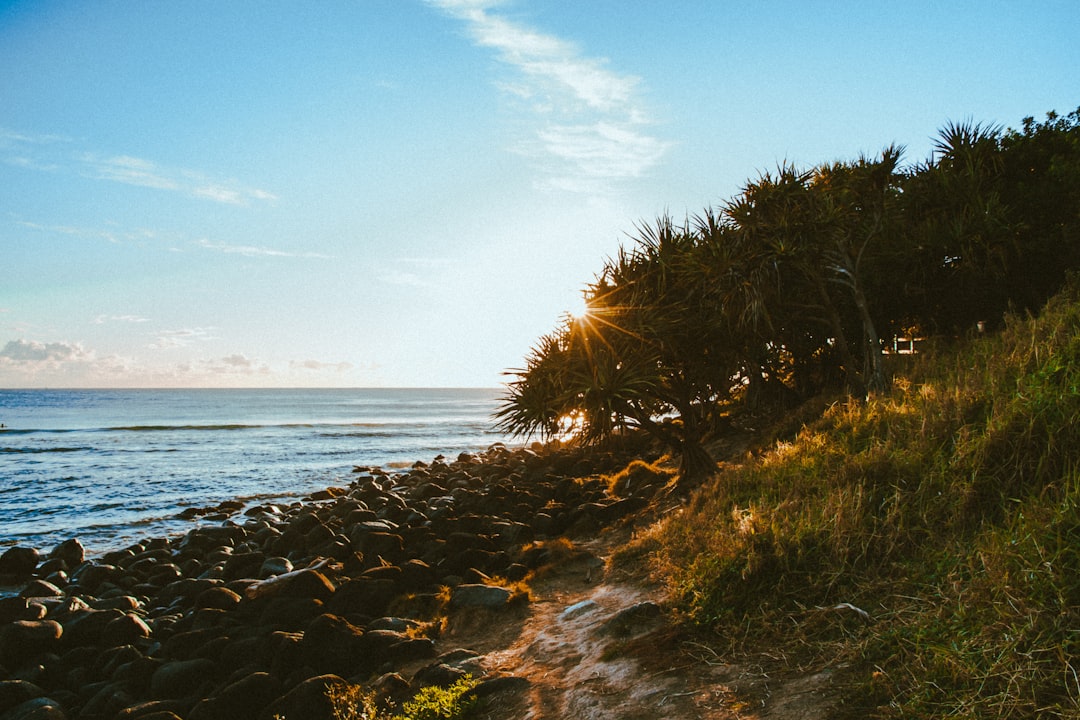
<point x="923" y="546"/>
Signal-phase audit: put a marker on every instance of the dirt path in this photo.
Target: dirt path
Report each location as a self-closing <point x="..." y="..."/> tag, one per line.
<point x="592" y="645"/>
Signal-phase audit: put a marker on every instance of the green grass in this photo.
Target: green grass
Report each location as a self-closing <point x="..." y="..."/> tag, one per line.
<point x="947" y="510"/>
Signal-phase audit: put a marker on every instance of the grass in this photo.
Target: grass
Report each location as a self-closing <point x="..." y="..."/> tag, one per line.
<point x="947" y="511"/>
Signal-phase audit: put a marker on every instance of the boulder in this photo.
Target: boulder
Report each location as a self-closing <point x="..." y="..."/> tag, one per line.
<point x="308" y="700"/>
<point x="23" y="640"/>
<point x="70" y="551"/>
<point x="124" y="630"/>
<point x="482" y="596"/>
<point x="40" y="708"/>
<point x="40" y="589"/>
<point x="241" y="700"/>
<point x="183" y="678"/>
<point x="332" y="644"/>
<point x="19" y="561"/>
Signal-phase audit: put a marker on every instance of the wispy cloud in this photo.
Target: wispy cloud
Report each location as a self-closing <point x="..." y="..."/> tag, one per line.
<point x="257" y="251"/>
<point x="593" y="130"/>
<point x="318" y="366"/>
<point x="56" y="153"/>
<point x="145" y="173"/>
<point x="182" y="338"/>
<point x="109" y="234"/>
<point x="102" y="319"/>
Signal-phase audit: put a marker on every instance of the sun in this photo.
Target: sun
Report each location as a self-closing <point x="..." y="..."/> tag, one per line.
<point x="578" y="308"/>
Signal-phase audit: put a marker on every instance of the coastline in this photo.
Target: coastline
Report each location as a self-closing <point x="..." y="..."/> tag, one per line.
<point x="252" y="612"/>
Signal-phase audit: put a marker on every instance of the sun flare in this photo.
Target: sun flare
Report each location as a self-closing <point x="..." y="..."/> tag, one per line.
<point x="578" y="308"/>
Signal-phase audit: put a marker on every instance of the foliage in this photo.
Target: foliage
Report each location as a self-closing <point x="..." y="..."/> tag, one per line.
<point x="949" y="511"/>
<point x="437" y="703"/>
<point x="352" y="702"/>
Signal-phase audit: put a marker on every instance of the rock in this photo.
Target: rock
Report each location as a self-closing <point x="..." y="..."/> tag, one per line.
<point x="18" y="608"/>
<point x="332" y="644"/>
<point x="70" y="551"/>
<point x="182" y="678"/>
<point x="218" y="598"/>
<point x="363" y="596"/>
<point x="16" y="692"/>
<point x="272" y="566"/>
<point x="633" y="620"/>
<point x="307" y="700"/>
<point x="86" y="627"/>
<point x="241" y="700"/>
<point x="124" y="630"/>
<point x="40" y="589"/>
<point x="19" y="561"/>
<point x="24" y="640"/>
<point x="151" y="710"/>
<point x="40" y="708"/>
<point x="476" y="595"/>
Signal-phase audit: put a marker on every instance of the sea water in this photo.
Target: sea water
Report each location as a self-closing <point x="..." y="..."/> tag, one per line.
<point x="112" y="467"/>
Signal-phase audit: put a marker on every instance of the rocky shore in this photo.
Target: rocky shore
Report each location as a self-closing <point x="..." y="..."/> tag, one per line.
<point x="256" y="612"/>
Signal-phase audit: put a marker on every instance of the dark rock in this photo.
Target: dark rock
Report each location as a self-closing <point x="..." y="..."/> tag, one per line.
<point x="40" y="708"/>
<point x="307" y="700"/>
<point x="484" y="596"/>
<point x="183" y="678"/>
<point x="24" y="640"/>
<point x="363" y="596"/>
<point x="19" y="561"/>
<point x="70" y="551"/>
<point x="633" y="620"/>
<point x="219" y="598"/>
<point x="273" y="566"/>
<point x="151" y="710"/>
<point x="85" y="627"/>
<point x="40" y="589"/>
<point x="18" y="608"/>
<point x="332" y="644"/>
<point x="124" y="630"/>
<point x="16" y="692"/>
<point x="241" y="700"/>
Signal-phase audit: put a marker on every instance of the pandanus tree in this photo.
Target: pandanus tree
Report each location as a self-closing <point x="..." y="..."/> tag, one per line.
<point x="651" y="353"/>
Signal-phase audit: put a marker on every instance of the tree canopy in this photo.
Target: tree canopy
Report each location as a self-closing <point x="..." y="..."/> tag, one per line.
<point x="793" y="286"/>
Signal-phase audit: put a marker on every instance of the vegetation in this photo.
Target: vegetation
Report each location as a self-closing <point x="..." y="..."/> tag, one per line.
<point x="925" y="544"/>
<point x="921" y="538"/>
<point x="455" y="702"/>
<point x="789" y="289"/>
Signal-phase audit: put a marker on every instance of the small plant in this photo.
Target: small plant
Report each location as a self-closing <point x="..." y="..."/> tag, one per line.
<point x="437" y="703"/>
<point x="351" y="702"/>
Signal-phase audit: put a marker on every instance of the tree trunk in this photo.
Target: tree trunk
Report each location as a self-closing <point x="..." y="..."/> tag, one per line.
<point x="854" y="377"/>
<point x="696" y="463"/>
<point x="875" y="367"/>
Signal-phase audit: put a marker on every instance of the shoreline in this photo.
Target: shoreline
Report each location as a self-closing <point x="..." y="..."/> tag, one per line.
<point x="350" y="583"/>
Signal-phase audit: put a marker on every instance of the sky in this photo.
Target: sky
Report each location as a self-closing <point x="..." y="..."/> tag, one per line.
<point x="409" y="193"/>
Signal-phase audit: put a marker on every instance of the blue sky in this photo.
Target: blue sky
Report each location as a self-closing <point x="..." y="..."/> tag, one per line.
<point x="410" y="192"/>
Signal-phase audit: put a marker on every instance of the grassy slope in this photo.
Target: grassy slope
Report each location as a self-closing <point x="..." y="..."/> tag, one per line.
<point x="947" y="511"/>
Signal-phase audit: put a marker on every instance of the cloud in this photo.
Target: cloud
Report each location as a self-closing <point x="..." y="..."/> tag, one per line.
<point x="52" y="153"/>
<point x="235" y="364"/>
<point x="256" y="251"/>
<point x="181" y="338"/>
<point x="102" y="319"/>
<point x="596" y="136"/>
<point x="145" y="173"/>
<point x="21" y="352"/>
<point x="316" y="366"/>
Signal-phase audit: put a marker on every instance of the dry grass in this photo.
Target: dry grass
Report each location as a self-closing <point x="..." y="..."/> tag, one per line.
<point x="947" y="511"/>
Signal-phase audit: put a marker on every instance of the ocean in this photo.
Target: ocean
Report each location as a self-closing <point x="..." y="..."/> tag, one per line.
<point x="112" y="467"/>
